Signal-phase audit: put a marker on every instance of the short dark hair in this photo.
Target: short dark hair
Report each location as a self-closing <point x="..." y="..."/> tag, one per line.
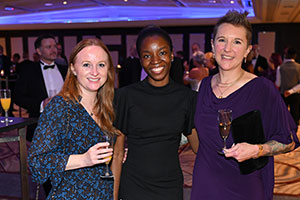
<point x="152" y="30"/>
<point x="38" y="41"/>
<point x="237" y="19"/>
<point x="291" y="53"/>
<point x="16" y="55"/>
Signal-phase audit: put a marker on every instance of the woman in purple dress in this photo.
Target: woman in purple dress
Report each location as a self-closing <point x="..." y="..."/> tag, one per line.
<point x="218" y="176"/>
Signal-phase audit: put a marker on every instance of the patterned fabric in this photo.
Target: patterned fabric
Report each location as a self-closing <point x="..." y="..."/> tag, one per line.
<point x="53" y="144"/>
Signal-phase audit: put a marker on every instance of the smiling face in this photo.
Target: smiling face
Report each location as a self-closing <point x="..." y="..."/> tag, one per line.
<point x="230" y="46"/>
<point x="156" y="58"/>
<point x="91" y="68"/>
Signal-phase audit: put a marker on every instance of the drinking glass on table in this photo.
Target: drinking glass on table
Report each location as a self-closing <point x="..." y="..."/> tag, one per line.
<point x="110" y="140"/>
<point x="224" y="120"/>
<point x="5" y="98"/>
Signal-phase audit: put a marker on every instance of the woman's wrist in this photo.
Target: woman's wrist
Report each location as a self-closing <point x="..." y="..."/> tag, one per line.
<point x="259" y="150"/>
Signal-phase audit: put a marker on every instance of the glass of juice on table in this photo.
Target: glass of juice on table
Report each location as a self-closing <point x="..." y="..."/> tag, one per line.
<point x="5" y="98"/>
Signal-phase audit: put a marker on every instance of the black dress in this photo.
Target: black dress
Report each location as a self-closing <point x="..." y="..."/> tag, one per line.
<point x="153" y="119"/>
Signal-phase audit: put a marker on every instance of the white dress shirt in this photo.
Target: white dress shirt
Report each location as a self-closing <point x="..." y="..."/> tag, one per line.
<point x="53" y="80"/>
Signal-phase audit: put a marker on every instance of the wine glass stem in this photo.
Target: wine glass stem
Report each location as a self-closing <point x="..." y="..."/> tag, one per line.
<point x="224" y="143"/>
<point x="6" y="117"/>
<point x="107" y="171"/>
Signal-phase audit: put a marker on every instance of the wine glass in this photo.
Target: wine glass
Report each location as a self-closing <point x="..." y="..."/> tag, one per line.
<point x="110" y="140"/>
<point x="5" y="98"/>
<point x="224" y="119"/>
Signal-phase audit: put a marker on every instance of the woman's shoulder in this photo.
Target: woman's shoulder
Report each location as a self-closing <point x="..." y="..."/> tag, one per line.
<point x="57" y="103"/>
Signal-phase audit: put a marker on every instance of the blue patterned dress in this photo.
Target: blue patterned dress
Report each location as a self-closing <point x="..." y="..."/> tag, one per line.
<point x="65" y="129"/>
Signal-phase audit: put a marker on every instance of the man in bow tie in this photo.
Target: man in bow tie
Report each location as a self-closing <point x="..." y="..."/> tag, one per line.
<point x="39" y="81"/>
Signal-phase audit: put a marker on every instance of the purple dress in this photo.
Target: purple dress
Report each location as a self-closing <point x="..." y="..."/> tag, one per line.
<point x="216" y="177"/>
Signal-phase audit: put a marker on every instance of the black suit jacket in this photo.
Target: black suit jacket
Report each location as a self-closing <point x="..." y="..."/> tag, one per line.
<point x="130" y="72"/>
<point x="177" y="70"/>
<point x="263" y="63"/>
<point x="30" y="89"/>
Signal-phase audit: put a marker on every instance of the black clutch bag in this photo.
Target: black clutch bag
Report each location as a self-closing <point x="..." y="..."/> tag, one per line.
<point x="249" y="128"/>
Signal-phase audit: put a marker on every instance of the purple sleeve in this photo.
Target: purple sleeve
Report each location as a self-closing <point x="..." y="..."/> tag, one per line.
<point x="278" y="122"/>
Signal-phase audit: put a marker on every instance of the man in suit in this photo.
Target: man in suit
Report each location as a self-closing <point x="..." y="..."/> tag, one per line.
<point x="259" y="62"/>
<point x="287" y="77"/>
<point x="39" y="81"/>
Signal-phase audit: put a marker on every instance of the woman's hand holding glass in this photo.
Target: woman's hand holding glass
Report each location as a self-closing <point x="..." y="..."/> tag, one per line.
<point x="98" y="154"/>
<point x="242" y="151"/>
<point x="110" y="140"/>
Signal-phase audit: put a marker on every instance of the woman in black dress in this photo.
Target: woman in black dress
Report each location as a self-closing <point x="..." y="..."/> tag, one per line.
<point x="152" y="114"/>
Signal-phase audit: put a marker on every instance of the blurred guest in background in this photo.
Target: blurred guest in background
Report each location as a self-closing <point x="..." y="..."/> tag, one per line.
<point x="288" y="76"/>
<point x="39" y="81"/>
<point x="195" y="48"/>
<point x="259" y="62"/>
<point x="210" y="63"/>
<point x="195" y="75"/>
<point x="274" y="61"/>
<point x="61" y="58"/>
<point x="15" y="61"/>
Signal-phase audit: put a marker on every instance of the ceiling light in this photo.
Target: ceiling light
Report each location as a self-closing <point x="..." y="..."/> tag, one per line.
<point x="125" y="0"/>
<point x="9" y="8"/>
<point x="48" y="4"/>
<point x="65" y="2"/>
<point x="212" y="1"/>
<point x="232" y="2"/>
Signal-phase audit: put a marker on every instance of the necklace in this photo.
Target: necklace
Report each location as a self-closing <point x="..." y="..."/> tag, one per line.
<point x="88" y="110"/>
<point x="228" y="85"/>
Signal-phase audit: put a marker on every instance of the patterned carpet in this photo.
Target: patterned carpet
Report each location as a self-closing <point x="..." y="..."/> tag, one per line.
<point x="287" y="173"/>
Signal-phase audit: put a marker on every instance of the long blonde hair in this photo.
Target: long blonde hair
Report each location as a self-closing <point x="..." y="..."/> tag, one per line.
<point x="104" y="110"/>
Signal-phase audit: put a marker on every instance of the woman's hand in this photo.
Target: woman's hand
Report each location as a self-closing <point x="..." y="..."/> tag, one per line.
<point x="242" y="151"/>
<point x="97" y="154"/>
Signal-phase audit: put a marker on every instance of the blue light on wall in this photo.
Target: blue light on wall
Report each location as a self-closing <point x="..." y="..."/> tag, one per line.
<point x="117" y="13"/>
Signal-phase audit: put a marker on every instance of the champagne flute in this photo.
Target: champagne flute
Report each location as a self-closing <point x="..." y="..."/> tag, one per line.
<point x="224" y="119"/>
<point x="110" y="140"/>
<point x="5" y="98"/>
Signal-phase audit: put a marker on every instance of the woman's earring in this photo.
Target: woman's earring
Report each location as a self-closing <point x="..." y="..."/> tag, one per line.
<point x="245" y="60"/>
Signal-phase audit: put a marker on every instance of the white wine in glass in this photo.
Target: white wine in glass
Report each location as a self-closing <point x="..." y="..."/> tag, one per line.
<point x="5" y="98"/>
<point x="224" y="119"/>
<point x="110" y="140"/>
